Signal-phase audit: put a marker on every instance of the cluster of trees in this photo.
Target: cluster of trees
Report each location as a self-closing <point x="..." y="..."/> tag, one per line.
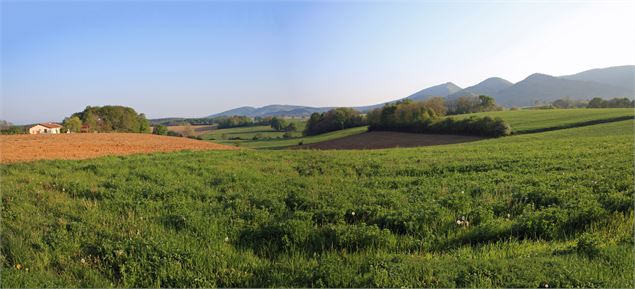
<point x="427" y="117"/>
<point x="8" y="128"/>
<point x="334" y="119"/>
<point x="406" y="113"/>
<point x="471" y="104"/>
<point x="108" y="119"/>
<point x="234" y="121"/>
<point x="280" y="124"/>
<point x="611" y="103"/>
<point x="13" y="130"/>
<point x="569" y="103"/>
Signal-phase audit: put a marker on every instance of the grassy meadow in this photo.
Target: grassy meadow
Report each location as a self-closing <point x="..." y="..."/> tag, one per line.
<point x="521" y="121"/>
<point x="537" y="120"/>
<point x="532" y="210"/>
<point x="247" y="133"/>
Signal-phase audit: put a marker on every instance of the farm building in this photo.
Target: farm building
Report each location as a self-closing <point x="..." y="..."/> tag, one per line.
<point x="45" y="128"/>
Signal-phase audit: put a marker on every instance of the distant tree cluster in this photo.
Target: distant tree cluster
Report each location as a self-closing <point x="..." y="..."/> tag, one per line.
<point x="8" y="128"/>
<point x="611" y="103"/>
<point x="108" y="119"/>
<point x="13" y="130"/>
<point x="406" y="113"/>
<point x="160" y="130"/>
<point x="567" y="102"/>
<point x="280" y="124"/>
<point x="234" y="121"/>
<point x="471" y="104"/>
<point x="263" y="120"/>
<point x="427" y="117"/>
<point x="332" y="120"/>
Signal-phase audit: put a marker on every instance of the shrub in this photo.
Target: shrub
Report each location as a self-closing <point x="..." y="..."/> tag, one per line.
<point x="588" y="244"/>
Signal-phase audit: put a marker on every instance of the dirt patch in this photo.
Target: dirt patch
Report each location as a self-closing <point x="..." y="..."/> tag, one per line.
<point x="388" y="139"/>
<point x="22" y="148"/>
<point x="196" y="129"/>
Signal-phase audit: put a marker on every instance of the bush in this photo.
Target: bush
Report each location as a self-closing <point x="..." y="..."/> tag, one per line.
<point x="588" y="244"/>
<point x="174" y="133"/>
<point x="160" y="130"/>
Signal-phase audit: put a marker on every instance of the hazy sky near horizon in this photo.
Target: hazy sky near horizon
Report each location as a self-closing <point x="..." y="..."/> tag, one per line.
<point x="196" y="58"/>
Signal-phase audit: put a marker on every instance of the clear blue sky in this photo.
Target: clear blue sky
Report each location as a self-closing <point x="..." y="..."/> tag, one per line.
<point x="195" y="58"/>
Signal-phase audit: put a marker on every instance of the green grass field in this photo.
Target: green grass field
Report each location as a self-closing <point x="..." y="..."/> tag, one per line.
<point x="528" y="121"/>
<point x="293" y="142"/>
<point x="246" y="134"/>
<point x="521" y="121"/>
<point x="552" y="208"/>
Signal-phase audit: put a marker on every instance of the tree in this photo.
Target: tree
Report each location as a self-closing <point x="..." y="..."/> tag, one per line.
<point x="188" y="131"/>
<point x="160" y="130"/>
<point x="487" y="103"/>
<point x="278" y="123"/>
<point x="596" y="102"/>
<point x="72" y="124"/>
<point x="291" y="127"/>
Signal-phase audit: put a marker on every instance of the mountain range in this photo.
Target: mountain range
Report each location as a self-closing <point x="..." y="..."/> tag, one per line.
<point x="617" y="81"/>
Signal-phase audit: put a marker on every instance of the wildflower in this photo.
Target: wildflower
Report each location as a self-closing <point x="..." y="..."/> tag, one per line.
<point x="83" y="261"/>
<point x="226" y="239"/>
<point x="462" y="192"/>
<point x="352" y="213"/>
<point x="508" y="215"/>
<point x="18" y="266"/>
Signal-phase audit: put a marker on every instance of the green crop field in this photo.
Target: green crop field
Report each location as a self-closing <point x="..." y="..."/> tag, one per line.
<point x="528" y="121"/>
<point x="247" y="133"/>
<point x="293" y="142"/>
<point x="521" y="121"/>
<point x="533" y="210"/>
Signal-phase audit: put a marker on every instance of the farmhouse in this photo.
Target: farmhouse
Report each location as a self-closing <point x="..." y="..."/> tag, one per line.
<point x="45" y="128"/>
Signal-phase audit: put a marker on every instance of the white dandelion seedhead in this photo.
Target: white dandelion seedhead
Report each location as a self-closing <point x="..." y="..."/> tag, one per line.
<point x="352" y="213"/>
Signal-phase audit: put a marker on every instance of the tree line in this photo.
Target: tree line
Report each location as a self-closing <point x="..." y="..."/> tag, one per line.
<point x="332" y="120"/>
<point x="428" y="117"/>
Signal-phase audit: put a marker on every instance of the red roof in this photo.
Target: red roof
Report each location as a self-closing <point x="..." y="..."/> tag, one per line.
<point x="50" y="125"/>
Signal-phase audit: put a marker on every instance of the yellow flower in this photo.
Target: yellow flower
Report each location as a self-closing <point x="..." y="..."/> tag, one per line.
<point x="18" y="266"/>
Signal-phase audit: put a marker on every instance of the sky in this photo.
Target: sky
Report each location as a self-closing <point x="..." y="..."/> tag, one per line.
<point x="197" y="58"/>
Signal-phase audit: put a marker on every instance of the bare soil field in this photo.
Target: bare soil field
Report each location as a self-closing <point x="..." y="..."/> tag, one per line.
<point x="23" y="148"/>
<point x="197" y="129"/>
<point x="389" y="139"/>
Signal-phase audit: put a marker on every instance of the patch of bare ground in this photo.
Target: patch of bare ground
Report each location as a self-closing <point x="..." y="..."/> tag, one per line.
<point x="389" y="139"/>
<point x="23" y="148"/>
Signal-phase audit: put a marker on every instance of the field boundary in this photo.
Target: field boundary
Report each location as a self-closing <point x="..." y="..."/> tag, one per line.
<point x="573" y="125"/>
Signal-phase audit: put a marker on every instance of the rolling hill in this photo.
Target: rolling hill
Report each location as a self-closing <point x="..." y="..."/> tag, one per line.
<point x="610" y="82"/>
<point x="488" y="86"/>
<point x="272" y="110"/>
<point x="621" y="76"/>
<point x="542" y="87"/>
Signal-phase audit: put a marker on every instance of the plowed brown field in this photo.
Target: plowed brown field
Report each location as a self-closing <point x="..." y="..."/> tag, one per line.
<point x="388" y="139"/>
<point x="22" y="148"/>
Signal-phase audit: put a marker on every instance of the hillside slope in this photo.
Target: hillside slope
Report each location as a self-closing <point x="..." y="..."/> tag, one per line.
<point x="542" y="87"/>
